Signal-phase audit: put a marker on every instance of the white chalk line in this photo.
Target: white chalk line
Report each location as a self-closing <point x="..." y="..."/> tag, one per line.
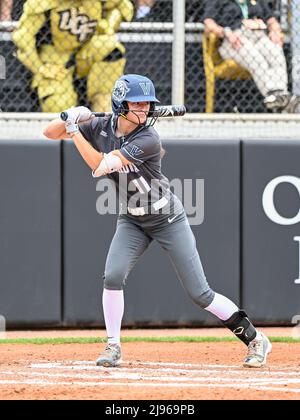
<point x="139" y="363"/>
<point x="131" y="376"/>
<point x="77" y="367"/>
<point x="143" y="376"/>
<point x="267" y="369"/>
<point x="144" y="385"/>
<point x="130" y="362"/>
<point x="131" y="369"/>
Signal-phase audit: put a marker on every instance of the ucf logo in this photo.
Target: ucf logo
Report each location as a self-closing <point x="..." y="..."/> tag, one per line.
<point x="77" y="24"/>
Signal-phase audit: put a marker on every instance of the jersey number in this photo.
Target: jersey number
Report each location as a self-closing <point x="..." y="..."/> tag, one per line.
<point x="77" y="24"/>
<point x="141" y="185"/>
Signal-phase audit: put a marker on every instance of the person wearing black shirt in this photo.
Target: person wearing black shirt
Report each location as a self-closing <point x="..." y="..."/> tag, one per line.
<point x="252" y="37"/>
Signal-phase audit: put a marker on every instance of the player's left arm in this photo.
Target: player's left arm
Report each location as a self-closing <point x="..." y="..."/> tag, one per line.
<point x="110" y="162"/>
<point x="100" y="163"/>
<point x="135" y="152"/>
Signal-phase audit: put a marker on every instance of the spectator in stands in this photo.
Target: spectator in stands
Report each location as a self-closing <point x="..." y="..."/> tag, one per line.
<point x="82" y="42"/>
<point x="6" y="10"/>
<point x="143" y="8"/>
<point x="252" y="37"/>
<point x="154" y="10"/>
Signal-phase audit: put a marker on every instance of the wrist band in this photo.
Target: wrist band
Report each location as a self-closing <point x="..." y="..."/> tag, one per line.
<point x="71" y="127"/>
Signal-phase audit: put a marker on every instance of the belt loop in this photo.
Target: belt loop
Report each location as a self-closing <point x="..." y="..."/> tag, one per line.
<point x="137" y="211"/>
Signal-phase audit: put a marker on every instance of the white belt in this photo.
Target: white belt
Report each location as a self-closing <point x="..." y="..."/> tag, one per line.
<point x="141" y="211"/>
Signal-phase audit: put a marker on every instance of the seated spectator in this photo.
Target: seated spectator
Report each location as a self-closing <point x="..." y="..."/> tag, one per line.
<point x="6" y="10"/>
<point x="154" y="10"/>
<point x="143" y="8"/>
<point x="252" y="37"/>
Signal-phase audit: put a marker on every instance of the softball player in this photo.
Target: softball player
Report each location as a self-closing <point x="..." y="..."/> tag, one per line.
<point x="127" y="149"/>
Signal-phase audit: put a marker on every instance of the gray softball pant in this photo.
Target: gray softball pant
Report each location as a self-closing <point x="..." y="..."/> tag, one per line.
<point x="133" y="236"/>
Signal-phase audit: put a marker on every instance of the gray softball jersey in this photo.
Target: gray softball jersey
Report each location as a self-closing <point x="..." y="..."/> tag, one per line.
<point x="142" y="147"/>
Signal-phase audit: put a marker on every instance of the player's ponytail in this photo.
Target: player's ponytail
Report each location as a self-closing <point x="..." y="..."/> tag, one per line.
<point x="162" y="152"/>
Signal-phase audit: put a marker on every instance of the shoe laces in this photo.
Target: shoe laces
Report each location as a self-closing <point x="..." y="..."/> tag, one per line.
<point x="255" y="347"/>
<point x="111" y="348"/>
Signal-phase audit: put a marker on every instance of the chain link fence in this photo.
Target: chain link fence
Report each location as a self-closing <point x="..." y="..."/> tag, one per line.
<point x="70" y="52"/>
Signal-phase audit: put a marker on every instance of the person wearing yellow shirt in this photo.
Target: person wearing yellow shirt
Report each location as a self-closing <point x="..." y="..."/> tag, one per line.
<point x="82" y="43"/>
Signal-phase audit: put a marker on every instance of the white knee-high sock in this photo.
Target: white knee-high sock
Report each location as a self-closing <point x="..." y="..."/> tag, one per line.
<point x="222" y="307"/>
<point x="113" y="308"/>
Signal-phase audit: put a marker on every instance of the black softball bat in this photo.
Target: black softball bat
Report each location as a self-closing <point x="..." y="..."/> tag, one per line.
<point x="161" y="111"/>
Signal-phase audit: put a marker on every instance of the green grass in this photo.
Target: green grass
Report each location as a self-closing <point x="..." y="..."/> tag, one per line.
<point x="94" y="340"/>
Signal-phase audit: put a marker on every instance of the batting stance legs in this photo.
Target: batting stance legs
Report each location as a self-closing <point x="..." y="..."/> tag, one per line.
<point x="132" y="238"/>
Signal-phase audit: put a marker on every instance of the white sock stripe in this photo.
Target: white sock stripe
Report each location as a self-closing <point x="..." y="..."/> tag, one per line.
<point x="113" y="308"/>
<point x="222" y="307"/>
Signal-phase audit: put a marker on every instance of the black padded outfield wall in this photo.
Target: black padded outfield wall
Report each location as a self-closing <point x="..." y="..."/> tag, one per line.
<point x="271" y="230"/>
<point x="153" y="293"/>
<point x="30" y="233"/>
<point x="243" y="199"/>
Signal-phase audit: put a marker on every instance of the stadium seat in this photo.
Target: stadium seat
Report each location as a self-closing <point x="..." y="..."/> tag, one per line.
<point x="216" y="67"/>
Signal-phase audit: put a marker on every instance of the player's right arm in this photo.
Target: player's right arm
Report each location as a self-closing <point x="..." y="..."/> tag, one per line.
<point x="84" y="139"/>
<point x="56" y="130"/>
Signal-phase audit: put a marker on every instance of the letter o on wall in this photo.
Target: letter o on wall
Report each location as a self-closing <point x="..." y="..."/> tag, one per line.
<point x="268" y="200"/>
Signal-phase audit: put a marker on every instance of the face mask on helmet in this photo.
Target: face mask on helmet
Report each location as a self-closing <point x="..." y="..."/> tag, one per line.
<point x="133" y="88"/>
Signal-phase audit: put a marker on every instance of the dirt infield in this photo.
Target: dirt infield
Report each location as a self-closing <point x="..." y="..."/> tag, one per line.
<point x="163" y="371"/>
